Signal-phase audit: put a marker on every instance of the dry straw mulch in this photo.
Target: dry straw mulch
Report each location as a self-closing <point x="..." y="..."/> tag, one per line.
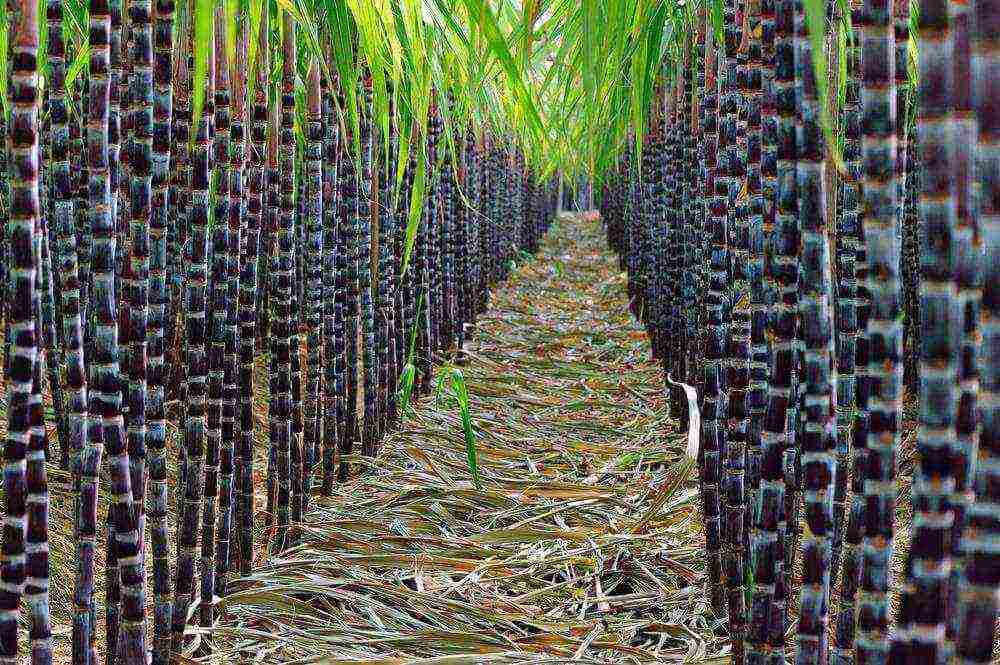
<point x="584" y="544"/>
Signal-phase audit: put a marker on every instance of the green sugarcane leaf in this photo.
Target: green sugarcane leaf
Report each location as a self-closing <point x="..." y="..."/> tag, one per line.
<point x="416" y="207"/>
<point x="204" y="38"/>
<point x="815" y="11"/>
<point x="462" y="395"/>
<point x="406" y="380"/>
<point x="231" y="10"/>
<point x="79" y="64"/>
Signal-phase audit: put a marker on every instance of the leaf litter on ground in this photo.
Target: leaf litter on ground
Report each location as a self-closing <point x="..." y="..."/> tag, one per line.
<point x="537" y="510"/>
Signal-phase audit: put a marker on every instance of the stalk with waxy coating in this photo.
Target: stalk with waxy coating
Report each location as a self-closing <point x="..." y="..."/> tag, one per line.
<point x="137" y="286"/>
<point x="968" y="275"/>
<point x="737" y="333"/>
<point x="817" y="441"/>
<point x="770" y="592"/>
<point x="314" y="273"/>
<point x="756" y="399"/>
<point x="883" y="330"/>
<point x="76" y="378"/>
<point x="231" y="332"/>
<point x="351" y="220"/>
<point x="218" y="297"/>
<point x="106" y="379"/>
<point x="331" y="206"/>
<point x="849" y="374"/>
<point x="163" y="41"/>
<point x="195" y="319"/>
<point x="92" y="448"/>
<point x="846" y="288"/>
<point x="976" y="610"/>
<point x="280" y="411"/>
<point x="709" y="454"/>
<point x="248" y="309"/>
<point x="364" y="239"/>
<point x="346" y="310"/>
<point x="23" y="226"/>
<point x="272" y="195"/>
<point x="906" y="195"/>
<point x="923" y="605"/>
<point x="180" y="206"/>
<point x="36" y="589"/>
<point x="59" y="210"/>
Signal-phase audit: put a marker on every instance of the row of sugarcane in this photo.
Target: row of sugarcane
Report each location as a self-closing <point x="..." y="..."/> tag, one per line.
<point x="777" y="271"/>
<point x="154" y="252"/>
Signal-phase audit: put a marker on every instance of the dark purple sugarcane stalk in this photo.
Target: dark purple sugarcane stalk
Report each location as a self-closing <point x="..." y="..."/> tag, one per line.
<point x="390" y="263"/>
<point x="922" y="616"/>
<point x="384" y="323"/>
<point x="850" y="375"/>
<point x="426" y="305"/>
<point x="331" y="207"/>
<point x="968" y="274"/>
<point x="447" y="191"/>
<point x="741" y="278"/>
<point x="112" y="577"/>
<point x="687" y="155"/>
<point x="297" y="459"/>
<point x="784" y="267"/>
<point x="180" y="209"/>
<point x="845" y="311"/>
<point x="195" y="351"/>
<point x="282" y="272"/>
<point x="137" y="287"/>
<point x="272" y="198"/>
<point x="976" y="610"/>
<point x="91" y="449"/>
<point x="72" y="330"/>
<point x="883" y="330"/>
<point x="126" y="640"/>
<point x="435" y="296"/>
<point x="726" y="270"/>
<point x="236" y="221"/>
<point x="474" y="256"/>
<point x="163" y="43"/>
<point x="346" y="307"/>
<point x="58" y="206"/>
<point x="36" y="589"/>
<point x="904" y="156"/>
<point x="314" y="274"/>
<point x="217" y="308"/>
<point x="710" y="452"/>
<point x="114" y="119"/>
<point x="22" y="266"/>
<point x="352" y="296"/>
<point x="657" y="230"/>
<point x="248" y="308"/>
<point x="756" y="314"/>
<point x="817" y="441"/>
<point x="697" y="172"/>
<point x="365" y="277"/>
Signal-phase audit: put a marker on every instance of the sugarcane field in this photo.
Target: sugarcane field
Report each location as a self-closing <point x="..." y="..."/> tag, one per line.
<point x="500" y="332"/>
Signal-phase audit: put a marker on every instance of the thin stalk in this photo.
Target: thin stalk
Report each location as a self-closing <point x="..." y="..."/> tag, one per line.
<point x="195" y="320"/>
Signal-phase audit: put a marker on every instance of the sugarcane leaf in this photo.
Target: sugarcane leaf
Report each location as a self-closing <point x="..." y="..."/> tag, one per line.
<point x="406" y="380"/>
<point x="815" y="14"/>
<point x="204" y="36"/>
<point x="416" y="207"/>
<point x="231" y="10"/>
<point x="79" y="64"/>
<point x="461" y="392"/>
